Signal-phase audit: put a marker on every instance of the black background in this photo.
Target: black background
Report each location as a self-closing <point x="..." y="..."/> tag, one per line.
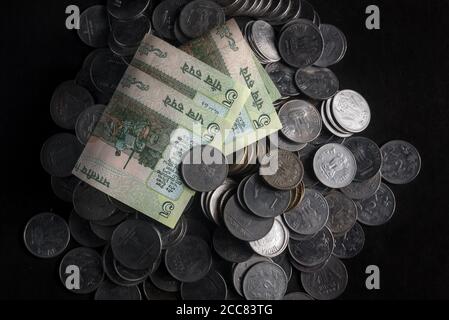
<point x="402" y="70"/>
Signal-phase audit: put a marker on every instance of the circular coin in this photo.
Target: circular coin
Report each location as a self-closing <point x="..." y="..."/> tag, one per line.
<point x="401" y="162"/>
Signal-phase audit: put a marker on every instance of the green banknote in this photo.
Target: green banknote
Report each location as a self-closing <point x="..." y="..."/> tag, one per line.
<point x="135" y="150"/>
<point x="225" y="49"/>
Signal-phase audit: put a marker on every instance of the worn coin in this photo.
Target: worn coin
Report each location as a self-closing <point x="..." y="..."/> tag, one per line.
<point x="190" y="260"/>
<point x="68" y="101"/>
<point x="240" y="270"/>
<point x="265" y="281"/>
<point x="103" y="232"/>
<point x="243" y="225"/>
<point x="165" y="15"/>
<point x="262" y="200"/>
<point x="153" y="293"/>
<point x="263" y="38"/>
<point x="310" y="216"/>
<point x="229" y="247"/>
<point x="106" y="71"/>
<point x="350" y="244"/>
<point x="94" y="26"/>
<point x="301" y="44"/>
<point x="342" y="213"/>
<point x="282" y="170"/>
<point x="284" y="262"/>
<point x="59" y="154"/>
<point x="109" y="291"/>
<point x="335" y="46"/>
<point x="129" y="33"/>
<point x="317" y="83"/>
<point x="92" y="204"/>
<point x="401" y="162"/>
<point x="301" y="121"/>
<point x="46" y="235"/>
<point x="327" y="284"/>
<point x="200" y="16"/>
<point x="378" y="209"/>
<point x="87" y="121"/>
<point x="130" y="274"/>
<point x="334" y="166"/>
<point x="314" y="251"/>
<point x="89" y="264"/>
<point x="82" y="233"/>
<point x="204" y="168"/>
<point x="211" y="287"/>
<point x="363" y="190"/>
<point x="109" y="269"/>
<point x="164" y="281"/>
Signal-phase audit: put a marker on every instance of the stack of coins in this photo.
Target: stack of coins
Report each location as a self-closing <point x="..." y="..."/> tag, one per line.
<point x="285" y="211"/>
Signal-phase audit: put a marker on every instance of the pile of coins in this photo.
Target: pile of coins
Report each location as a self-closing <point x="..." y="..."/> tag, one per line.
<point x="271" y="221"/>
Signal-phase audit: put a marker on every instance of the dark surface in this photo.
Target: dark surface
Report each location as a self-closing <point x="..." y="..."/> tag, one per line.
<point x="402" y="70"/>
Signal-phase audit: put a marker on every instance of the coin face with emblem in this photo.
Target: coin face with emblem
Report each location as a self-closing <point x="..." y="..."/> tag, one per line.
<point x="401" y="162"/>
<point x="335" y="166"/>
<point x="351" y="111"/>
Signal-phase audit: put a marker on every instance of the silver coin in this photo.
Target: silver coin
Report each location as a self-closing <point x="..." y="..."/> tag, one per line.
<point x="211" y="287"/>
<point x="329" y="125"/>
<point x="274" y="243"/>
<point x="288" y="174"/>
<point x="301" y="121"/>
<point x="327" y="284"/>
<point x="162" y="279"/>
<point x="351" y="111"/>
<point x="283" y="143"/>
<point x="283" y="77"/>
<point x="94" y="26"/>
<point x="204" y="168"/>
<point x="342" y="213"/>
<point x="127" y="10"/>
<point x="363" y="190"/>
<point x="265" y="281"/>
<point x="87" y="121"/>
<point x="165" y="15"/>
<point x="92" y="204"/>
<point x="310" y="216"/>
<point x="90" y="268"/>
<point x="378" y="209"/>
<point x="109" y="269"/>
<point x="264" y="39"/>
<point x="335" y="166"/>
<point x="240" y="270"/>
<point x="335" y="46"/>
<point x="200" y="16"/>
<point x="401" y="162"/>
<point x="314" y="251"/>
<point x="330" y="117"/>
<point x="82" y="233"/>
<point x="367" y="156"/>
<point x="230" y="248"/>
<point x="350" y="244"/>
<point x="46" y="235"/>
<point x="63" y="187"/>
<point x="317" y="83"/>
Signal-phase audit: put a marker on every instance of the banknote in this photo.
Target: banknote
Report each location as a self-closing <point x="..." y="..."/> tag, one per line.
<point x="135" y="150"/>
<point x="225" y="49"/>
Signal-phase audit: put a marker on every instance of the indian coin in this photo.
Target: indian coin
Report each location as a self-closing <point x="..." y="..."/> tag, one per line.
<point x="87" y="121"/>
<point x="63" y="187"/>
<point x="204" y="168"/>
<point x="106" y="71"/>
<point x="200" y="16"/>
<point x="130" y="274"/>
<point x="367" y="156"/>
<point x="109" y="291"/>
<point x="211" y="287"/>
<point x="363" y="190"/>
<point x="342" y="213"/>
<point x="89" y="264"/>
<point x="243" y="225"/>
<point x="46" y="235"/>
<point x="350" y="244"/>
<point x="301" y="44"/>
<point x="335" y="166"/>
<point x="265" y="281"/>
<point x="263" y="37"/>
<point x="153" y="293"/>
<point x="229" y="247"/>
<point x="310" y="216"/>
<point x="127" y="10"/>
<point x="351" y="111"/>
<point x="401" y="162"/>
<point x="378" y="209"/>
<point x="262" y="200"/>
<point x="283" y="143"/>
<point x="94" y="26"/>
<point x="240" y="270"/>
<point x="109" y="269"/>
<point x="282" y="170"/>
<point x="59" y="155"/>
<point x="312" y="252"/>
<point x="297" y="296"/>
<point x="301" y="121"/>
<point x="283" y="77"/>
<point x="164" y="281"/>
<point x="335" y="46"/>
<point x="274" y="243"/>
<point x="68" y="101"/>
<point x="327" y="284"/>
<point x="129" y="33"/>
<point x="136" y="244"/>
<point x="284" y="262"/>
<point x="92" y="204"/>
<point x="165" y="15"/>
<point x="317" y="83"/>
<point x="82" y="233"/>
<point x="190" y="260"/>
